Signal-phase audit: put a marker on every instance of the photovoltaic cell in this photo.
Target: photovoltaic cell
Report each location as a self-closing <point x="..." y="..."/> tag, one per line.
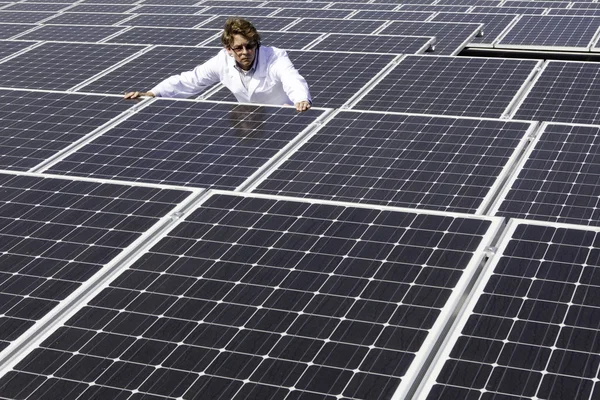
<point x="184" y="10"/>
<point x="249" y="11"/>
<point x="426" y="162"/>
<point x="364" y="6"/>
<point x="173" y="2"/>
<point x="451" y="37"/>
<point x="139" y="75"/>
<point x="375" y="43"/>
<point x="435" y="8"/>
<point x="71" y="33"/>
<point x="261" y="23"/>
<point x="533" y="326"/>
<point x="10" y="30"/>
<point x="36" y="125"/>
<point x="263" y="298"/>
<point x="55" y="234"/>
<point x="324" y="25"/>
<point x="164" y="36"/>
<point x="60" y="66"/>
<point x="331" y="85"/>
<point x="559" y="180"/>
<point x="561" y="32"/>
<point x="86" y="19"/>
<point x="493" y="24"/>
<point x="393" y="15"/>
<point x="167" y="20"/>
<point x="8" y="48"/>
<point x="476" y="87"/>
<point x="564" y="92"/>
<point x="288" y="4"/>
<point x="574" y="11"/>
<point x="510" y="10"/>
<point x="36" y="7"/>
<point x="537" y="3"/>
<point x="102" y="8"/>
<point x="189" y="143"/>
<point x="312" y="13"/>
<point x="17" y="17"/>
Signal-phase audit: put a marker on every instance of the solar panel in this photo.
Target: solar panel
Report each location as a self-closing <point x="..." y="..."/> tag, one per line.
<point x="532" y="327"/>
<point x="288" y="4"/>
<point x="18" y="17"/>
<point x="249" y="11"/>
<point x="333" y="77"/>
<point x="60" y="66"/>
<point x="36" y="7"/>
<point x="558" y="180"/>
<point x="86" y="19"/>
<point x="389" y="6"/>
<point x="563" y="92"/>
<point x="8" y="48"/>
<point x="189" y="143"/>
<point x="476" y="87"/>
<point x="168" y="9"/>
<point x="109" y="1"/>
<point x="282" y="40"/>
<point x="171" y="2"/>
<point x="72" y="33"/>
<point x="435" y="8"/>
<point x="537" y="3"/>
<point x="574" y="11"/>
<point x="493" y="24"/>
<point x="10" y="30"/>
<point x="102" y="8"/>
<point x="451" y="37"/>
<point x="266" y="298"/>
<point x="324" y="25"/>
<point x="425" y="162"/>
<point x="261" y="23"/>
<point x="585" y="5"/>
<point x="165" y="36"/>
<point x="376" y="43"/>
<point x="167" y="20"/>
<point x="312" y="13"/>
<point x="57" y="233"/>
<point x="37" y="125"/>
<point x="509" y="10"/>
<point x="138" y="75"/>
<point x="553" y="32"/>
<point x="393" y="15"/>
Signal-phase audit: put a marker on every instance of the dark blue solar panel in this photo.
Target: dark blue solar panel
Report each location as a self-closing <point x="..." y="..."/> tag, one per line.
<point x="375" y="43"/>
<point x="562" y="32"/>
<point x="564" y="92"/>
<point x="167" y="9"/>
<point x="71" y="33"/>
<point x="102" y="8"/>
<point x="451" y="37"/>
<point x="140" y="75"/>
<point x="312" y="12"/>
<point x="167" y="20"/>
<point x="261" y="23"/>
<point x="55" y="234"/>
<point x="265" y="299"/>
<point x="165" y="36"/>
<point x="532" y="329"/>
<point x="68" y="18"/>
<point x="493" y="24"/>
<point x="61" y="66"/>
<point x="36" y="7"/>
<point x="324" y="25"/>
<point x="189" y="143"/>
<point x="35" y="125"/>
<point x="393" y="15"/>
<point x="8" y="48"/>
<point x="476" y="87"/>
<point x="559" y="180"/>
<point x="246" y="10"/>
<point x="410" y="161"/>
<point x="9" y="30"/>
<point x="18" y="17"/>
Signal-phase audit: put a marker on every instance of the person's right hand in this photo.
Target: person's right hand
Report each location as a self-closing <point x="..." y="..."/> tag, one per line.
<point x="137" y="95"/>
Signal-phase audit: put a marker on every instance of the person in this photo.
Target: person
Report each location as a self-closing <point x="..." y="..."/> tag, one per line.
<point x="253" y="73"/>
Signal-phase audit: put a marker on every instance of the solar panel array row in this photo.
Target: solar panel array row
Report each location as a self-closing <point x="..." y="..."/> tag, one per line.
<point x="204" y="249"/>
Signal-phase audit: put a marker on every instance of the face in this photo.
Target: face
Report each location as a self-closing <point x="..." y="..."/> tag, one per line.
<point x="243" y="51"/>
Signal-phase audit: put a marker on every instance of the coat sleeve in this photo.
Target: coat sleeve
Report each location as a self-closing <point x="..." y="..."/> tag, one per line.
<point x="192" y="82"/>
<point x="294" y="84"/>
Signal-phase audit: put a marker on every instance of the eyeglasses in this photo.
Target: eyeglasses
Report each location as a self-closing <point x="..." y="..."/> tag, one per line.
<point x="248" y="46"/>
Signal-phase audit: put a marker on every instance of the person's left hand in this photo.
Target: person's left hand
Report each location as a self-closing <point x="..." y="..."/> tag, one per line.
<point x="302" y="106"/>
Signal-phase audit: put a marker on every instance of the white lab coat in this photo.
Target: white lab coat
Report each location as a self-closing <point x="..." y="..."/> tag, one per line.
<point x="275" y="80"/>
